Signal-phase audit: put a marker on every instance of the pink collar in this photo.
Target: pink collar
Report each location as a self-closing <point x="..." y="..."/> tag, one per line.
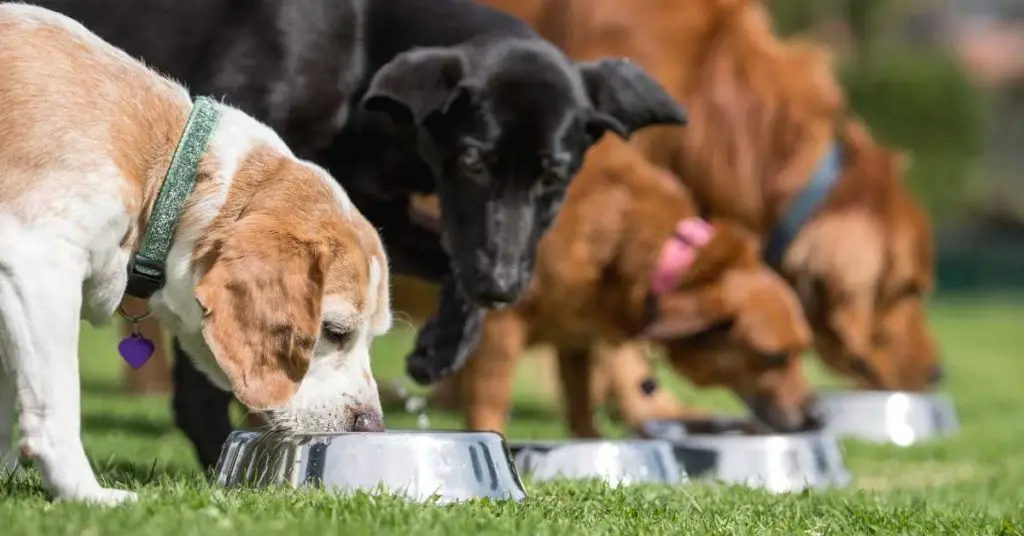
<point x="678" y="253"/>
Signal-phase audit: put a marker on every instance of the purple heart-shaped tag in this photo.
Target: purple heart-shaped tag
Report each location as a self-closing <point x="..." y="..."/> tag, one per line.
<point x="136" y="349"/>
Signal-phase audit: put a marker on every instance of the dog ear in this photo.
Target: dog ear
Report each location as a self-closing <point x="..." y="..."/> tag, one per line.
<point x="418" y="83"/>
<point x="625" y="98"/>
<point x="687" y="313"/>
<point x="262" y="298"/>
<point x="731" y="246"/>
<point x="769" y="316"/>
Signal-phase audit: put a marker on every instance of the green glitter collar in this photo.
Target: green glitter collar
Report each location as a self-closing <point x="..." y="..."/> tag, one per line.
<point x="147" y="271"/>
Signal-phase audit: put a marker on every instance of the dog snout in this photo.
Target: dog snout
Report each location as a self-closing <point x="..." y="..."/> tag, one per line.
<point x="368" y="420"/>
<point x="784" y="418"/>
<point x="498" y="283"/>
<point x="936" y="376"/>
<point x="814" y="415"/>
<point x="496" y="295"/>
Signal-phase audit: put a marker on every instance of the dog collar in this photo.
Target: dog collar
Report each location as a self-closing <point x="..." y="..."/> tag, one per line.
<point x="678" y="253"/>
<point x="147" y="271"/>
<point x="824" y="180"/>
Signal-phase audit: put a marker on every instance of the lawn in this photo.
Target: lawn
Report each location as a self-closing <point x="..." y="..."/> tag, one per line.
<point x="969" y="484"/>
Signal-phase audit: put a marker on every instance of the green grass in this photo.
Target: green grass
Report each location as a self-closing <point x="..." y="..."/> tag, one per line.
<point x="969" y="484"/>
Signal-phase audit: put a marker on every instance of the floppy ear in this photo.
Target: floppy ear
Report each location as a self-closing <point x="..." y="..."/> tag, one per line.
<point x="262" y="301"/>
<point x="769" y="316"/>
<point x="625" y="98"/>
<point x="418" y="83"/>
<point x="686" y="313"/>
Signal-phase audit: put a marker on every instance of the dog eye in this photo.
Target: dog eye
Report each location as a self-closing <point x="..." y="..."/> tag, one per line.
<point x="550" y="179"/>
<point x="775" y="360"/>
<point x="910" y="290"/>
<point x="554" y="170"/>
<point x="338" y="335"/>
<point x="472" y="162"/>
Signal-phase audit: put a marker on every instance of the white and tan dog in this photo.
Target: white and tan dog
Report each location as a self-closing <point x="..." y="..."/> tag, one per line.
<point x="275" y="283"/>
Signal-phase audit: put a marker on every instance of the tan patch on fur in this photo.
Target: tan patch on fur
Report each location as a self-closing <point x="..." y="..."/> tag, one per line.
<point x="279" y="245"/>
<point x="26" y="452"/>
<point x="66" y="104"/>
<point x="616" y="376"/>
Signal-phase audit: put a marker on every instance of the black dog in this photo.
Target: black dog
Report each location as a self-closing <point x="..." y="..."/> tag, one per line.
<point x="397" y="97"/>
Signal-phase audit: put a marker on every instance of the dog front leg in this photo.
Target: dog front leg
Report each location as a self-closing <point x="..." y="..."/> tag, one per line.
<point x="487" y="378"/>
<point x="574" y="372"/>
<point x="40" y="316"/>
<point x="448" y="338"/>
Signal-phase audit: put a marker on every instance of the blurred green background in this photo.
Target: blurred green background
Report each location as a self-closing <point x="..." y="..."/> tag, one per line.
<point x="901" y="64"/>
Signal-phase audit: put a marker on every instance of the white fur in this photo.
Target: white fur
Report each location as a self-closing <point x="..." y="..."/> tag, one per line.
<point x="61" y="260"/>
<point x="383" y="318"/>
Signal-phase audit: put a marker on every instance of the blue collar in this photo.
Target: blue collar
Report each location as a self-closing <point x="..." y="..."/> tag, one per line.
<point x="803" y="208"/>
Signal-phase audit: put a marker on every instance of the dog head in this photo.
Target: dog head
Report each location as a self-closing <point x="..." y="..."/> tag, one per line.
<point x="503" y="126"/>
<point x="883" y="340"/>
<point x="727" y="320"/>
<point x="293" y="289"/>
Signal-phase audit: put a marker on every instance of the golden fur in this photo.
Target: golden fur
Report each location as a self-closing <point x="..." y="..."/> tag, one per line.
<point x="592" y="284"/>
<point x="763" y="110"/>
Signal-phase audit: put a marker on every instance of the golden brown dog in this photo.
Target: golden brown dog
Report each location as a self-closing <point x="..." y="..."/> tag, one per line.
<point x="763" y="112"/>
<point x="627" y="258"/>
<point x="616" y="374"/>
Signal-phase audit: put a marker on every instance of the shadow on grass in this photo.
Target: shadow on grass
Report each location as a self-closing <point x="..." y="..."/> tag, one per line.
<point x="131" y="424"/>
<point x="98" y="387"/>
<point x="112" y="473"/>
<point x="119" y="472"/>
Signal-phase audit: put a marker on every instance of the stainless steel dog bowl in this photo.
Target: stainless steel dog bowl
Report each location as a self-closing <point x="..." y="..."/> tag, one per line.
<point x="889" y="416"/>
<point x="735" y="452"/>
<point x="614" y="462"/>
<point x="439" y="466"/>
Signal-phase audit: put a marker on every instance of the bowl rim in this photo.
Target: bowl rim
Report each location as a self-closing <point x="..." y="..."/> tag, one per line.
<point x="390" y="434"/>
<point x="937" y="396"/>
<point x="796" y="438"/>
<point x="586" y="442"/>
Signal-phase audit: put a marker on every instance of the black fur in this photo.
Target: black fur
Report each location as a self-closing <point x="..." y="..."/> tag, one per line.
<point x="396" y="97"/>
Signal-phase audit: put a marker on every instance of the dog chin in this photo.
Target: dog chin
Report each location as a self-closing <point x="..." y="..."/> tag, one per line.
<point x="491" y="302"/>
<point x="291" y="421"/>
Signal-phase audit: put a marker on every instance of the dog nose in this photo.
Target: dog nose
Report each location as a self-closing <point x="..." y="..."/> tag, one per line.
<point x="489" y="298"/>
<point x="494" y="291"/>
<point x="788" y="419"/>
<point x="368" y="421"/>
<point x="937" y="375"/>
<point x="815" y="417"/>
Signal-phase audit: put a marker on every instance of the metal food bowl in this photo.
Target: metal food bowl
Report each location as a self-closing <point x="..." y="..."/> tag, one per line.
<point x="889" y="416"/>
<point x="735" y="451"/>
<point x="612" y="461"/>
<point x="445" y="467"/>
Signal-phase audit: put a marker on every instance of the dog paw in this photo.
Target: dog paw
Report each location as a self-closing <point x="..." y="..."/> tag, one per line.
<point x="103" y="497"/>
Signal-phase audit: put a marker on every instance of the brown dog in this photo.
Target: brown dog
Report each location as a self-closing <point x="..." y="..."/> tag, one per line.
<point x="616" y="375"/>
<point x="627" y="258"/>
<point x="763" y="114"/>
